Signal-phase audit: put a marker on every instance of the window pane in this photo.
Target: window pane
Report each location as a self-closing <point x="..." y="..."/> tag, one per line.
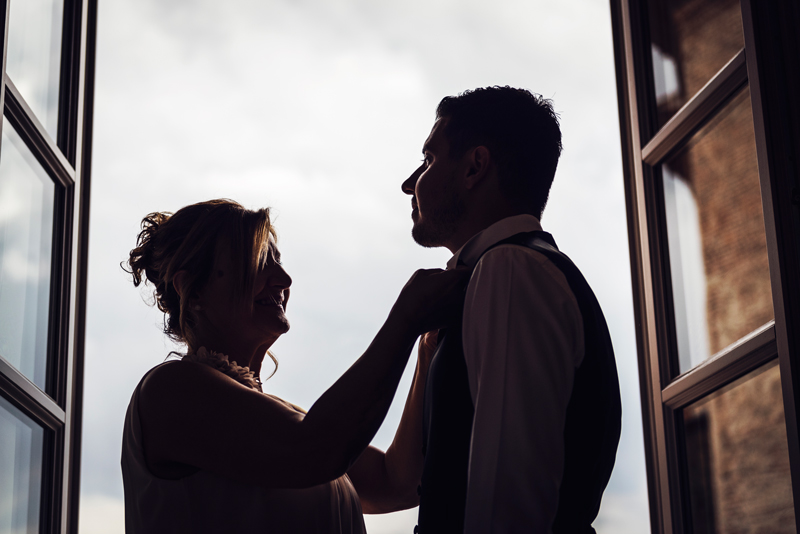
<point x="715" y="229"/>
<point x="691" y="40"/>
<point x="26" y="234"/>
<point x="738" y="458"/>
<point x="21" y="443"/>
<point x="34" y="56"/>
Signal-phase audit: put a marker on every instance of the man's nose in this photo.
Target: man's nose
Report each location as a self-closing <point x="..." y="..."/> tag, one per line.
<point x="411" y="182"/>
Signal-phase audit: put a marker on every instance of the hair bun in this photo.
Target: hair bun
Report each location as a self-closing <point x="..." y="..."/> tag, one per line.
<point x="143" y="263"/>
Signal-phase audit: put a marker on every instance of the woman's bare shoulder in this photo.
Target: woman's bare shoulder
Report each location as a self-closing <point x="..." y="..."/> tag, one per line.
<point x="174" y="369"/>
<point x="182" y="390"/>
<point x="195" y="415"/>
<point x="174" y="378"/>
<point x="288" y="404"/>
<point x="180" y="385"/>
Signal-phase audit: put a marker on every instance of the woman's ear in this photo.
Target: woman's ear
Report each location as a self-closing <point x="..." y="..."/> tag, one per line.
<point x="177" y="282"/>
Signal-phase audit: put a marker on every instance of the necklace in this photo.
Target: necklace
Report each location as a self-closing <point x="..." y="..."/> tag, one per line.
<point x="220" y="362"/>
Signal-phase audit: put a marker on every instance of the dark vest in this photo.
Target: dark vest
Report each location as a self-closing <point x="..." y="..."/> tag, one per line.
<point x="591" y="433"/>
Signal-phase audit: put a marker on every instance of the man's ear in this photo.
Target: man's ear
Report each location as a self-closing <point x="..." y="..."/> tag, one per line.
<point x="479" y="163"/>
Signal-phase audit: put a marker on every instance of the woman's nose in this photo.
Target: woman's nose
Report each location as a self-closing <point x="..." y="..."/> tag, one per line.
<point x="280" y="278"/>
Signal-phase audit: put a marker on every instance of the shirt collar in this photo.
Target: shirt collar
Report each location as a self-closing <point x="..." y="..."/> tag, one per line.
<point x="474" y="248"/>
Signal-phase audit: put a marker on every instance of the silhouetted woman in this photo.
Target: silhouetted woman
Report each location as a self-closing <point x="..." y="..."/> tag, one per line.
<point x="204" y="449"/>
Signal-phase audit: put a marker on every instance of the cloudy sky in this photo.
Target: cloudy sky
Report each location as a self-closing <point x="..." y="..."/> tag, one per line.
<point x="319" y="109"/>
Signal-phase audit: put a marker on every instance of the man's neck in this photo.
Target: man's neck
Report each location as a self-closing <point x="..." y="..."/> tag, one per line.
<point x="477" y="222"/>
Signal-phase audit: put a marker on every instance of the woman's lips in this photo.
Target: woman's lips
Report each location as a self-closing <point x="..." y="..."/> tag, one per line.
<point x="270" y="300"/>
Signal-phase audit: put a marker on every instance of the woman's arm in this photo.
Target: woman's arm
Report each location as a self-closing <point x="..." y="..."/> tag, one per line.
<point x="193" y="415"/>
<point x="387" y="482"/>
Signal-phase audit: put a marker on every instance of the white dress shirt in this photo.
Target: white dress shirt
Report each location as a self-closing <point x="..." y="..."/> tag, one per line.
<point x="523" y="341"/>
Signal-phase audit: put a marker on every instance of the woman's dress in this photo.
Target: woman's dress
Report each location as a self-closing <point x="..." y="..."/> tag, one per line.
<point x="208" y="503"/>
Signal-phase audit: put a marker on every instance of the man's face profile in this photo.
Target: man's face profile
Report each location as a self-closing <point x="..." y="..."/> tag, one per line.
<point x="436" y="200"/>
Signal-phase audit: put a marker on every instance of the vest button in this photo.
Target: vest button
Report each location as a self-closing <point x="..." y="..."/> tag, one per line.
<point x="416" y="529"/>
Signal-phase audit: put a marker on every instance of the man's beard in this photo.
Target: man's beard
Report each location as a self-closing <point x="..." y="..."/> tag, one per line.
<point x="439" y="225"/>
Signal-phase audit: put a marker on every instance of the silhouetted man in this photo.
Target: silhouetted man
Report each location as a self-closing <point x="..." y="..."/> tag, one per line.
<point x="522" y="411"/>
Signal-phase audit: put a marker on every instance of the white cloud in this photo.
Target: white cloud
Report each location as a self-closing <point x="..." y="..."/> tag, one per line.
<point x="19" y="266"/>
<point x="100" y="514"/>
<point x="624" y="513"/>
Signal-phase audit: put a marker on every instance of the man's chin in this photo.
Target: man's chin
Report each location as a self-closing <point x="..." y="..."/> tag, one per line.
<point x="425" y="236"/>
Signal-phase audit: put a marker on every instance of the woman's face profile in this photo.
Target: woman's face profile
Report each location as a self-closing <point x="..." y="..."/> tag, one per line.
<point x="261" y="317"/>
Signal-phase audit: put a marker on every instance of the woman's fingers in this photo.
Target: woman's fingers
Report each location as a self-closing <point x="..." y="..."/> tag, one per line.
<point x="432" y="298"/>
<point x="427" y="346"/>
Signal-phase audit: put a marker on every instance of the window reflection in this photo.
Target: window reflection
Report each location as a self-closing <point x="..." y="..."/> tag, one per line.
<point x="34" y="56"/>
<point x="691" y="40"/>
<point x="715" y="233"/>
<point x="737" y="458"/>
<point x="667" y="84"/>
<point x="26" y="234"/>
<point x="21" y="444"/>
<point x="688" y="274"/>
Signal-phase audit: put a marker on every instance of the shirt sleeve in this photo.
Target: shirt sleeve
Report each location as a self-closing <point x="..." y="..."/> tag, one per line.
<point x="523" y="340"/>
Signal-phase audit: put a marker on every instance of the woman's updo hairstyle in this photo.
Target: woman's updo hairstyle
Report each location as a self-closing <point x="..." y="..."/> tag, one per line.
<point x="187" y="241"/>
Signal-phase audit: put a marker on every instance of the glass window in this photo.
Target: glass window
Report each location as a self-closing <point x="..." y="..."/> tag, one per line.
<point x="26" y="235"/>
<point x="737" y="458"/>
<point x="34" y="56"/>
<point x="21" y="444"/>
<point x="691" y="40"/>
<point x="715" y="232"/>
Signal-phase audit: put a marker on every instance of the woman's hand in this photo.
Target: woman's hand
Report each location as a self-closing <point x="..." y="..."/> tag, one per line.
<point x="427" y="346"/>
<point x="432" y="298"/>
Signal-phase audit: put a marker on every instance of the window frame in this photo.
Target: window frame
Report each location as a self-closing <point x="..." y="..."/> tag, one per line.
<point x="66" y="160"/>
<point x="767" y="31"/>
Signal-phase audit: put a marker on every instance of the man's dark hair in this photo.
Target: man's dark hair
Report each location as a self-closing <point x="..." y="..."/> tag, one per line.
<point x="521" y="131"/>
